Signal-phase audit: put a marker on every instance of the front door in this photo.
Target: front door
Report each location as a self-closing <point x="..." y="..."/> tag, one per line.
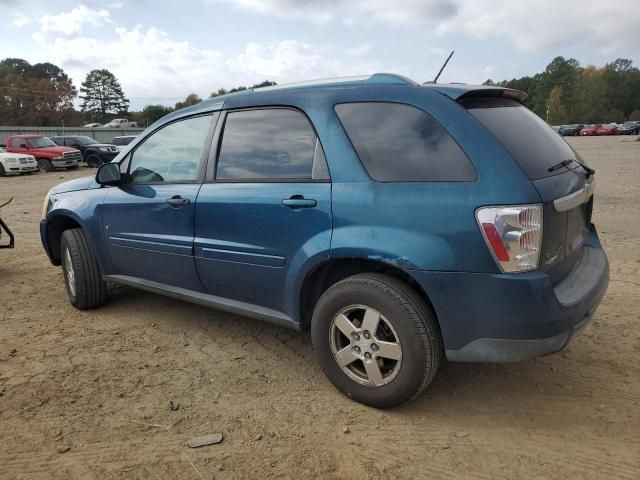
<point x="149" y="222"/>
<point x="268" y="210"/>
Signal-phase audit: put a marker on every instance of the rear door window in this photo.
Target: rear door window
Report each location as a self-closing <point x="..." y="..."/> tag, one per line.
<point x="401" y="143"/>
<point x="270" y="144"/>
<point x="529" y="139"/>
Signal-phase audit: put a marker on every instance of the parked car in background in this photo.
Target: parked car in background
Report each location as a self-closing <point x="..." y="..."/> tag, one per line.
<point x="93" y="153"/>
<point x="120" y="123"/>
<point x="629" y="128"/>
<point x="609" y="129"/>
<point x="16" y="163"/>
<point x="121" y="142"/>
<point x="48" y="155"/>
<point x="589" y="130"/>
<point x="397" y="222"/>
<point x="570" y="130"/>
<point x="599" y="129"/>
<point x="93" y="125"/>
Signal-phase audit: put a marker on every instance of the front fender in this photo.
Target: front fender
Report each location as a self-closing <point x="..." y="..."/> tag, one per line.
<point x="84" y="209"/>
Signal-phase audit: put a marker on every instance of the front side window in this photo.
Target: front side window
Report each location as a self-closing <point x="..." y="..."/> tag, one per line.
<point x="274" y="144"/>
<point x="171" y="154"/>
<point x="401" y="143"/>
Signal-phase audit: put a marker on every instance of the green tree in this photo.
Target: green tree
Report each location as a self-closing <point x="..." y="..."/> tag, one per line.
<point x="623" y="86"/>
<point x="102" y="95"/>
<point x="224" y="91"/>
<point x="635" y="115"/>
<point x="589" y="97"/>
<point x="557" y="112"/>
<point x="38" y="95"/>
<point x="560" y="71"/>
<point x="192" y="99"/>
<point x="152" y="113"/>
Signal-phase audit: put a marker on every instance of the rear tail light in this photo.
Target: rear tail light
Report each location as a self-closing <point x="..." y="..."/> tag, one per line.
<point x="513" y="235"/>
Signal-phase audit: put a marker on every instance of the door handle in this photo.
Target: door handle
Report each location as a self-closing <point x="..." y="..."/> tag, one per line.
<point x="178" y="201"/>
<point x="298" y="201"/>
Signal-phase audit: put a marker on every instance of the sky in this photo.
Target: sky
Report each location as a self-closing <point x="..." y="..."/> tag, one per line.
<point x="162" y="50"/>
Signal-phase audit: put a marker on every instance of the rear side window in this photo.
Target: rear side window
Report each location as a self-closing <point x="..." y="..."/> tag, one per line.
<point x="528" y="138"/>
<point x="270" y="144"/>
<point x="401" y="143"/>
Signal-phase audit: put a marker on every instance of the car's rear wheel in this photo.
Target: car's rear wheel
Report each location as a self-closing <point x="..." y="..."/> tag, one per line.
<point x="85" y="286"/>
<point x="45" y="165"/>
<point x="376" y="340"/>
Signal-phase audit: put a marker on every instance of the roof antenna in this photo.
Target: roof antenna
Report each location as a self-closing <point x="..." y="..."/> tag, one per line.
<point x="435" y="80"/>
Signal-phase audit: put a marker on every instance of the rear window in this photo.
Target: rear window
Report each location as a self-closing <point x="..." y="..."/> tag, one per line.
<point x="531" y="142"/>
<point x="401" y="143"/>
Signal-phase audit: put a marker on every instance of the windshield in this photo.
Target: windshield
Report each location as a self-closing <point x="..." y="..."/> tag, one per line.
<point x="86" y="141"/>
<point x="531" y="142"/>
<point x="41" y="142"/>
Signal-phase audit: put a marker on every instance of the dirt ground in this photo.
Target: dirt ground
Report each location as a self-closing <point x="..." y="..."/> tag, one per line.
<point x="86" y="394"/>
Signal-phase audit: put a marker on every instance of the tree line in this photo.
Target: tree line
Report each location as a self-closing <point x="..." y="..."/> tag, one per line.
<point x="566" y="92"/>
<point x="42" y="95"/>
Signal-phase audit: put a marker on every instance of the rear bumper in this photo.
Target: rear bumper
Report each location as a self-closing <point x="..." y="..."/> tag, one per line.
<point x="513" y="317"/>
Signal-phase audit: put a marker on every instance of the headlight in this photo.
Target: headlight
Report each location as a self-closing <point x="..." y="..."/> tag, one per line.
<point x="60" y="157"/>
<point x="12" y="160"/>
<point x="46" y="205"/>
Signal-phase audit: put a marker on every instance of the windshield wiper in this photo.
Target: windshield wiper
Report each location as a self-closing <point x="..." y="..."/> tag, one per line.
<point x="565" y="163"/>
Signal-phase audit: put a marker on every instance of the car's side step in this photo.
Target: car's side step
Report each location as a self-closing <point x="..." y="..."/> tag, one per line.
<point x="231" y="306"/>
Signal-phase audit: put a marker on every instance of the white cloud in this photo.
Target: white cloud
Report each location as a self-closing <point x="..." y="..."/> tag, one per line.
<point x="21" y="19"/>
<point x="150" y="63"/>
<point x="410" y="12"/>
<point x="359" y="50"/>
<point x="71" y="23"/>
<point x="531" y="26"/>
<point x="546" y="24"/>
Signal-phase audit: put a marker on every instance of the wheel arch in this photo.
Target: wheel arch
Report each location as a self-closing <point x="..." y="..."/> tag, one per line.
<point x="57" y="223"/>
<point x="318" y="280"/>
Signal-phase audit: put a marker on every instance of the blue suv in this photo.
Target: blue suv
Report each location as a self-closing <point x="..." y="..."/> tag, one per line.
<point x="397" y="222"/>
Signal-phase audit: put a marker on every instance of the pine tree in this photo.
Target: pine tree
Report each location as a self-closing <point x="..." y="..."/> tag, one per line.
<point x="102" y="94"/>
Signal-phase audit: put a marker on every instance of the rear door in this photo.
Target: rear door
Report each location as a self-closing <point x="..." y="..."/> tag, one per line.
<point x="267" y="208"/>
<point x="566" y="190"/>
<point x="149" y="223"/>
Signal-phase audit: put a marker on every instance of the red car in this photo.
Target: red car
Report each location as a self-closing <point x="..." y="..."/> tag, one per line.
<point x="47" y="153"/>
<point x="599" y="129"/>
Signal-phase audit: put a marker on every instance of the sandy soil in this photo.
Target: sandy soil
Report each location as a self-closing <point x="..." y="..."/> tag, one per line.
<point x="86" y="394"/>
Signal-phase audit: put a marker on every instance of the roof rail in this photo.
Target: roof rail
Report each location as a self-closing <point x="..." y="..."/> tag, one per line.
<point x="376" y="78"/>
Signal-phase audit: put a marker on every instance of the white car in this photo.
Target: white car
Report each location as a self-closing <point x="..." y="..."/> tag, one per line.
<point x="120" y="123"/>
<point x="122" y="142"/>
<point x="16" y="163"/>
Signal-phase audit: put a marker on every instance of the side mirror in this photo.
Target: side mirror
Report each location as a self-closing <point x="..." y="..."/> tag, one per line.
<point x="109" y="174"/>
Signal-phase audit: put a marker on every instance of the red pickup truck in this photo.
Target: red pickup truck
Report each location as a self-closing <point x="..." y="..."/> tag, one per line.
<point x="47" y="153"/>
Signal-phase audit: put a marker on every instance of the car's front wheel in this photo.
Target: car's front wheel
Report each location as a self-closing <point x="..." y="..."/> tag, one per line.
<point x="45" y="165"/>
<point x="93" y="161"/>
<point x="376" y="340"/>
<point x="85" y="286"/>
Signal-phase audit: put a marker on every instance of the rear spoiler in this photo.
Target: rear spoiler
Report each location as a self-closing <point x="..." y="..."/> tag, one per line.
<point x="459" y="92"/>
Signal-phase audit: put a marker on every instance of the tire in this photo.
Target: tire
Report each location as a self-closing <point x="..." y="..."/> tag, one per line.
<point x="93" y="161"/>
<point x="85" y="286"/>
<point x="2" y="172"/>
<point x="404" y="320"/>
<point x="45" y="165"/>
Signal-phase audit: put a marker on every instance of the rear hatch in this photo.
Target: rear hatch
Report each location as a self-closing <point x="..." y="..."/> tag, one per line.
<point x="565" y="189"/>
